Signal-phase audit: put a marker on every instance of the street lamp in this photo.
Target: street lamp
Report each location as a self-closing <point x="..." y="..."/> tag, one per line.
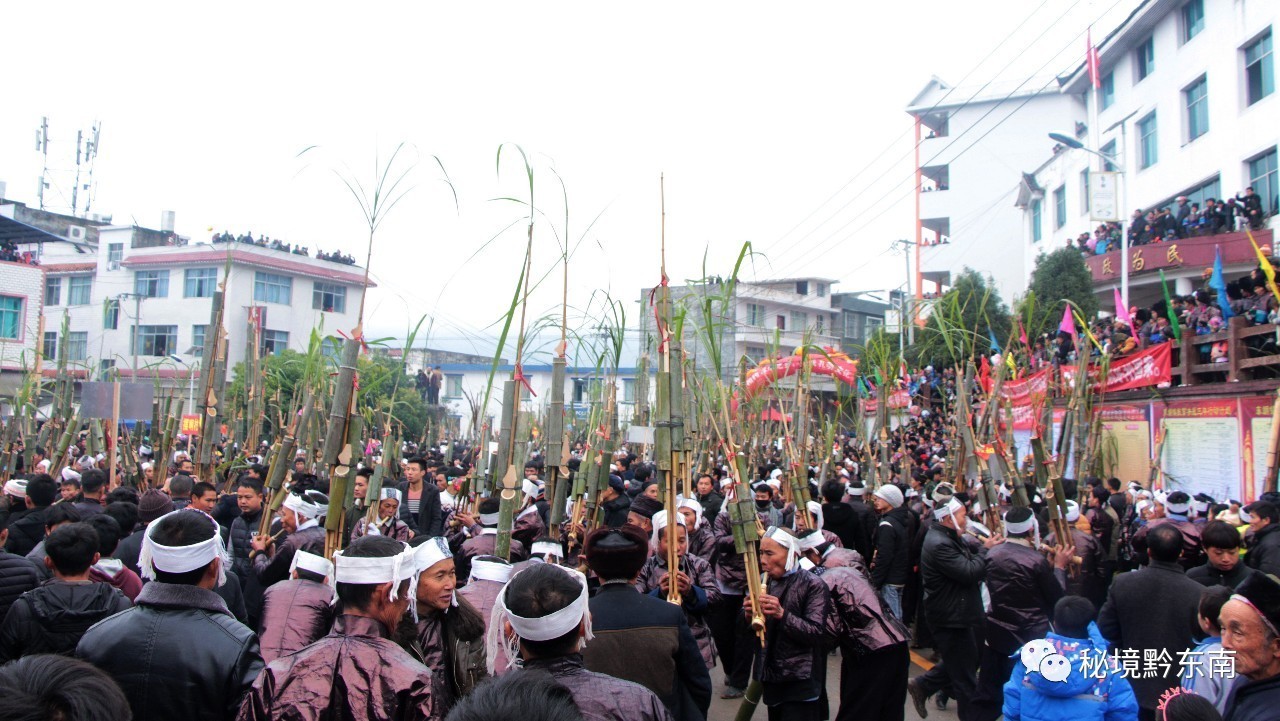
<point x="191" y="383"/>
<point x="1074" y="144"/>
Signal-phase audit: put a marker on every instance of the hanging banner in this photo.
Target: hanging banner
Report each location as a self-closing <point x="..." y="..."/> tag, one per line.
<point x="1144" y="369"/>
<point x="191" y="424"/>
<point x="833" y="363"/>
<point x="897" y="399"/>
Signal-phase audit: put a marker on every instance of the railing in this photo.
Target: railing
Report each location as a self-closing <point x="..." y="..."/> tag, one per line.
<point x="1252" y="352"/>
<point x="1169" y="255"/>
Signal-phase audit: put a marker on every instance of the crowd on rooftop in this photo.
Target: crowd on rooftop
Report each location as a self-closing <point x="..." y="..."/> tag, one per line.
<point x="1185" y="220"/>
<point x="263" y="241"/>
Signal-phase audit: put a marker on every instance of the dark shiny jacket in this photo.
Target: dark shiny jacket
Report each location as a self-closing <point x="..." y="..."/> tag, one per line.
<point x="856" y="617"/>
<point x="1207" y="575"/>
<point x="177" y="654"/>
<point x="483" y="544"/>
<point x="1023" y="588"/>
<point x="129" y="548"/>
<point x="892" y="562"/>
<point x="1264" y="550"/>
<point x="711" y="504"/>
<point x="53" y="617"/>
<point x="430" y="517"/>
<point x="703" y="594"/>
<point x="275" y="568"/>
<point x="642" y="639"/>
<point x="601" y="697"/>
<point x="26" y="532"/>
<point x="702" y="543"/>
<point x="355" y="672"/>
<point x="1087" y="580"/>
<point x="952" y="576"/>
<point x="1192" y="551"/>
<point x="1104" y="525"/>
<point x="451" y="645"/>
<point x="799" y="641"/>
<point x="18" y="575"/>
<point x="730" y="572"/>
<point x="1152" y="608"/>
<point x="243" y="528"/>
<point x="295" y="613"/>
<point x="854" y="522"/>
<point x="482" y="595"/>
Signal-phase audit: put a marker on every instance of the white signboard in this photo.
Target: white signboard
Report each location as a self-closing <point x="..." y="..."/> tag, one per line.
<point x="1104" y="204"/>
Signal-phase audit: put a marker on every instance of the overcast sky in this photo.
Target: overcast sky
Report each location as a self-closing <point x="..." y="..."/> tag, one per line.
<point x="759" y="114"/>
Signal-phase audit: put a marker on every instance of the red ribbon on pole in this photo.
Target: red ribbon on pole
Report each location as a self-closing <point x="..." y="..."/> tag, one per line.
<point x="519" y="378"/>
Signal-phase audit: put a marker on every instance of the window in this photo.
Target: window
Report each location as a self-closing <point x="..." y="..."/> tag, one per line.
<point x="1036" y="213"/>
<point x="53" y="291"/>
<point x="524" y="389"/>
<point x="1084" y="191"/>
<point x="1147" y="153"/>
<point x="874" y="325"/>
<point x="1259" y="71"/>
<point x="1108" y="90"/>
<point x="274" y="342"/>
<point x="1146" y="60"/>
<point x="781" y="322"/>
<point x="154" y="340"/>
<point x="1060" y="206"/>
<point x="111" y="314"/>
<point x="10" y="317"/>
<point x="330" y="347"/>
<point x="1262" y="178"/>
<point x="78" y="289"/>
<point x="50" y="347"/>
<point x="755" y="353"/>
<point x="151" y="283"/>
<point x="453" y="386"/>
<point x="802" y="287"/>
<point x="755" y="315"/>
<point x="329" y="297"/>
<point x="851" y="329"/>
<point x="104" y="366"/>
<point x="198" y="333"/>
<point x="1109" y="150"/>
<point x="115" y="253"/>
<point x="822" y="290"/>
<point x="78" y="345"/>
<point x="272" y="288"/>
<point x="1196" y="98"/>
<point x="799" y="320"/>
<point x="820" y="324"/>
<point x="1192" y="19"/>
<point x="200" y="282"/>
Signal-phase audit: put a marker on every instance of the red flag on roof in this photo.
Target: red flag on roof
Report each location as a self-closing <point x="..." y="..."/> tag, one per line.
<point x="1091" y="60"/>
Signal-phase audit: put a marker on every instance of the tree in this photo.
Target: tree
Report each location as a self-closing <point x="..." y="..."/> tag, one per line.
<point x="961" y="323"/>
<point x="1060" y="275"/>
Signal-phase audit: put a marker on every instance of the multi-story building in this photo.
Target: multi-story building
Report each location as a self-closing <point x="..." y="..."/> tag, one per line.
<point x="140" y="300"/>
<point x="1187" y="107"/>
<point x="21" y="306"/>
<point x="762" y="318"/>
<point x="862" y="313"/>
<point x="969" y="147"/>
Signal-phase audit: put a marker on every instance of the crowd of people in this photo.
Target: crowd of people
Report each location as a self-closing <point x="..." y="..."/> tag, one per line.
<point x="1185" y="220"/>
<point x="178" y="600"/>
<point x="10" y="253"/>
<point x="263" y="241"/>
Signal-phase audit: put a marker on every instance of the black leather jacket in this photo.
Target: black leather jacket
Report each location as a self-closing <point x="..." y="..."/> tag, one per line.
<point x="952" y="575"/>
<point x="177" y="654"/>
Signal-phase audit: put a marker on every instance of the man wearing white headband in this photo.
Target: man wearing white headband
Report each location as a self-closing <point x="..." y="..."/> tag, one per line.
<point x="702" y="542"/>
<point x="1088" y="581"/>
<point x="1173" y="508"/>
<point x="450" y="632"/>
<point x="385" y="519"/>
<point x="298" y="611"/>
<point x="792" y="668"/>
<point x="542" y="617"/>
<point x="178" y="653"/>
<point x="300" y="516"/>
<point x="530" y="523"/>
<point x="376" y="676"/>
<point x="484" y="535"/>
<point x="952" y="575"/>
<point x="694" y="579"/>
<point x="487" y="577"/>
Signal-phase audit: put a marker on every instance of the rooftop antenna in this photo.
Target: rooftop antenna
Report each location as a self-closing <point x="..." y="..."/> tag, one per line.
<point x="42" y="147"/>
<point x="91" y="157"/>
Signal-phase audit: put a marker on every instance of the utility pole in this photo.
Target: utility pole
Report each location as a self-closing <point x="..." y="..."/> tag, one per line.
<point x="42" y="147"/>
<point x="137" y="312"/>
<point x="906" y="329"/>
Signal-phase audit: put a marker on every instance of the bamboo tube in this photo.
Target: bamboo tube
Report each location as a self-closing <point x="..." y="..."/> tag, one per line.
<point x="1273" y="448"/>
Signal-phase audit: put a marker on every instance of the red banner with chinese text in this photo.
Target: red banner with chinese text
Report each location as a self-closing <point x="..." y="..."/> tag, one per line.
<point x="1150" y="367"/>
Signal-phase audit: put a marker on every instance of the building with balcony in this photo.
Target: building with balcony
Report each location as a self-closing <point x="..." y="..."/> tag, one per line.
<point x="863" y="313"/>
<point x="969" y="147"/>
<point x="763" y="318"/>
<point x="1187" y="107"/>
<point x="140" y="300"/>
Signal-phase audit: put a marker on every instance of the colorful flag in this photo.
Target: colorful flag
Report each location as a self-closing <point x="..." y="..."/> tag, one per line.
<point x="1091" y="60"/>
<point x="1168" y="307"/>
<point x="1013" y="366"/>
<point x="1022" y="334"/>
<point x="1217" y="282"/>
<point x="995" y="345"/>
<point x="1265" y="264"/>
<point x="1122" y="313"/>
<point x="1067" y="325"/>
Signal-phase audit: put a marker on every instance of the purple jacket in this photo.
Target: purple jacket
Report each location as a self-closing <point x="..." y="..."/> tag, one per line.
<point x="703" y="595"/>
<point x="600" y="697"/>
<point x="730" y="573"/>
<point x="702" y="543"/>
<point x="799" y="641"/>
<point x="483" y="594"/>
<point x="482" y="545"/>
<point x="1023" y="590"/>
<point x="856" y="617"/>
<point x="835" y="557"/>
<point x="295" y="613"/>
<point x="355" y="666"/>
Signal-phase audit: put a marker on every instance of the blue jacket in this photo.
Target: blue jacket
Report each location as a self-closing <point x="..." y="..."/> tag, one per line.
<point x="1091" y="691"/>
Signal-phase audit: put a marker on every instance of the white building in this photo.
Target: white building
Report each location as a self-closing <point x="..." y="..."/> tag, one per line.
<point x="763" y="318"/>
<point x="140" y="299"/>
<point x="969" y="149"/>
<point x="1187" y="107"/>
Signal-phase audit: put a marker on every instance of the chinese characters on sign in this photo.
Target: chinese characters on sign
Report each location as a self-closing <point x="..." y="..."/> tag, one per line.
<point x="1157" y="663"/>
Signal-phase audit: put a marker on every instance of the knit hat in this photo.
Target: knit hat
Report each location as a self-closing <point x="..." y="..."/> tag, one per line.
<point x="645" y="506"/>
<point x="16" y="487"/>
<point x="889" y="494"/>
<point x="152" y="505"/>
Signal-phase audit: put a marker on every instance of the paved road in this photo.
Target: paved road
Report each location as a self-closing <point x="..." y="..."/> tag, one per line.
<point x="722" y="710"/>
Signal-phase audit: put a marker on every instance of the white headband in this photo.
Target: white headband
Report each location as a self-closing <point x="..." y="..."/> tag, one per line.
<point x="488" y="519"/>
<point x="530" y="488"/>
<point x="1179" y="508"/>
<point x="425" y="555"/>
<point x="387" y="493"/>
<point x="694" y="506"/>
<point x="181" y="559"/>
<point x="947" y="509"/>
<point x="811" y="540"/>
<point x="726" y="482"/>
<point x="490" y="571"/>
<point x="1141" y="506"/>
<point x="815" y="509"/>
<point x="374" y="571"/>
<point x="311" y="562"/>
<point x="544" y="628"/>
<point x="787" y="541"/>
<point x="547" y="548"/>
<point x="1073" y="511"/>
<point x="1013" y="527"/>
<point x="303" y="507"/>
<point x="856" y="490"/>
<point x="659" y="523"/>
<point x="68" y="474"/>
